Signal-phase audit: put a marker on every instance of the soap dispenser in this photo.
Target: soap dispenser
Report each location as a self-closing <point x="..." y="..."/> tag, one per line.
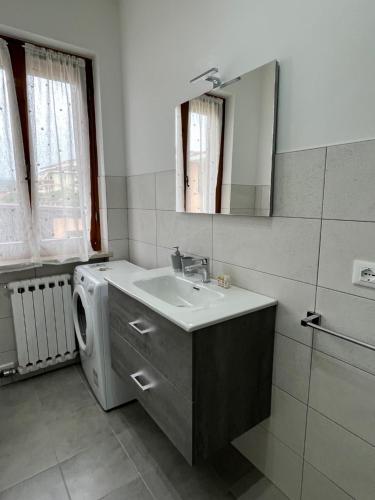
<point x="176" y="260"/>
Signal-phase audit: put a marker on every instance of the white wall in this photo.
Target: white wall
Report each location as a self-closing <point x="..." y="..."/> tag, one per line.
<point x="325" y="49"/>
<point x="90" y="26"/>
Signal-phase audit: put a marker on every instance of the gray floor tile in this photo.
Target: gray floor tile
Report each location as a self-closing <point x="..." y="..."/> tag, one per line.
<point x="63" y="392"/>
<point x="78" y="430"/>
<point x="135" y="490"/>
<point x="25" y="450"/>
<point x="97" y="471"/>
<point x="18" y="398"/>
<point x="56" y="379"/>
<point x="255" y="486"/>
<point x="47" y="485"/>
<point x="163" y="468"/>
<point x="231" y="466"/>
<point x="143" y="440"/>
<point x="159" y="487"/>
<point x="263" y="489"/>
<point x="197" y="485"/>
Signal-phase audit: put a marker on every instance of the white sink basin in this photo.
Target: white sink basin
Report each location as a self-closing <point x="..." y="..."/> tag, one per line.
<point x="188" y="303"/>
<point x="180" y="292"/>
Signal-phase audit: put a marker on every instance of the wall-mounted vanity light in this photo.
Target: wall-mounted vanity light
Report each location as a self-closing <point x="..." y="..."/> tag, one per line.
<point x="212" y="77"/>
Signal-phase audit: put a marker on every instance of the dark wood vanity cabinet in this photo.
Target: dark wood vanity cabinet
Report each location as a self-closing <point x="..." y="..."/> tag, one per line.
<point x="203" y="388"/>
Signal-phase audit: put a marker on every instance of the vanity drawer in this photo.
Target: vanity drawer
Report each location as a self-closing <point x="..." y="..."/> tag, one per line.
<point x="169" y="408"/>
<point x="164" y="344"/>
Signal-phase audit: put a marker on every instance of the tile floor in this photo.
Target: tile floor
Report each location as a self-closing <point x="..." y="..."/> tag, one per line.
<point x="57" y="443"/>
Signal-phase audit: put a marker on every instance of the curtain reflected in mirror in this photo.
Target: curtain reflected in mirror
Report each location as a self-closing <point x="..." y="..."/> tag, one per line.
<point x="225" y="147"/>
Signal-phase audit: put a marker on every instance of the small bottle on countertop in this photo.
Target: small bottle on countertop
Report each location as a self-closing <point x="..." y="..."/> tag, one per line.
<point x="176" y="260"/>
<point x="224" y="280"/>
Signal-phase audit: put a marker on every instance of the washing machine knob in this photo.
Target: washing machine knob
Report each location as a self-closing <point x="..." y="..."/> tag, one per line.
<point x="90" y="289"/>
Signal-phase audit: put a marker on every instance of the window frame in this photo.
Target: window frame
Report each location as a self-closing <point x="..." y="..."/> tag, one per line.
<point x="185" y="110"/>
<point x="16" y="49"/>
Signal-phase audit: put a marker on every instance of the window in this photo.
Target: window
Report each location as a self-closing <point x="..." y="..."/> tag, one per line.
<point x="200" y="143"/>
<point x="59" y="170"/>
<point x="15" y="216"/>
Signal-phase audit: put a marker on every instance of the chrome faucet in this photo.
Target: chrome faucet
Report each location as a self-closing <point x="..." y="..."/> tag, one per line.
<point x="191" y="265"/>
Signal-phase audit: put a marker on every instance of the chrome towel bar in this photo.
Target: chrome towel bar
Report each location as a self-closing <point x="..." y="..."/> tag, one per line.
<point x="313" y="320"/>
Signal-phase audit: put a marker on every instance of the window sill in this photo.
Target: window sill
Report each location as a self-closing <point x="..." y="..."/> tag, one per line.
<point x="21" y="265"/>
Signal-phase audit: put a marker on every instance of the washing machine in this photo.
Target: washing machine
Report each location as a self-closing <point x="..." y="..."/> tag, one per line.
<point x="91" y="322"/>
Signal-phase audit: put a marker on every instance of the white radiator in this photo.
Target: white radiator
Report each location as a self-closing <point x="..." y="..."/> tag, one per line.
<point x="43" y="322"/>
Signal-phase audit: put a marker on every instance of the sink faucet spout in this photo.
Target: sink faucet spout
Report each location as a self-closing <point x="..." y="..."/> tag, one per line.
<point x="191" y="266"/>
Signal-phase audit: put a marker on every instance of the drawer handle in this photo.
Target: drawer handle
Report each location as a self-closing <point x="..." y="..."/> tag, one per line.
<point x="140" y="375"/>
<point x="134" y="324"/>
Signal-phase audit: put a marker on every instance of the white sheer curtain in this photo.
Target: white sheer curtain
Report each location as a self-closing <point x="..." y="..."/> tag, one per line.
<point x="16" y="239"/>
<point x="204" y="140"/>
<point x="60" y="161"/>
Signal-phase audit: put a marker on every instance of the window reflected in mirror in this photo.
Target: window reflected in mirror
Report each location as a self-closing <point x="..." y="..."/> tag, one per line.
<point x="225" y="141"/>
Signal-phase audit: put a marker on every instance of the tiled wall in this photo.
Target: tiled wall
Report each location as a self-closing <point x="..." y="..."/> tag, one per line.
<point x="320" y="439"/>
<point x="113" y="215"/>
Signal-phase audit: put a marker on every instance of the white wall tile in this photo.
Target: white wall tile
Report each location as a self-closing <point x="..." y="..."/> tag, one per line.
<point x="346" y="459"/>
<point x="298" y="183"/>
<point x="103" y="223"/>
<point x="102" y="192"/>
<point x="17" y="276"/>
<point x="316" y="486"/>
<point x="141" y="191"/>
<point x="7" y="357"/>
<point x="142" y="225"/>
<point x="7" y="338"/>
<point x="288" y="420"/>
<point x="350" y="181"/>
<point x="104" y="244"/>
<point x="352" y="316"/>
<point x="276" y="460"/>
<point x="243" y="197"/>
<point x="283" y="246"/>
<point x="142" y="254"/>
<point x="116" y="192"/>
<point x="164" y="256"/>
<point x="294" y="298"/>
<point x="5" y="305"/>
<point x="166" y="190"/>
<point x="117" y="224"/>
<point x="192" y="232"/>
<point x="345" y="394"/>
<point x="119" y="248"/>
<point x="343" y="242"/>
<point x="54" y="269"/>
<point x="291" y="367"/>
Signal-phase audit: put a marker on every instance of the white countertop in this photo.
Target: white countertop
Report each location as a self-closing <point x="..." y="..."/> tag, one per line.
<point x="233" y="302"/>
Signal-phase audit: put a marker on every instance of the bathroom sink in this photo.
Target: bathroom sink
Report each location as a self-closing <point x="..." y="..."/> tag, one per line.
<point x="188" y="303"/>
<point x="180" y="292"/>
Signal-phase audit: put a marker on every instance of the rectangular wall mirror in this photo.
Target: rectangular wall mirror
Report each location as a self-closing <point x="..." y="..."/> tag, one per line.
<point x="225" y="147"/>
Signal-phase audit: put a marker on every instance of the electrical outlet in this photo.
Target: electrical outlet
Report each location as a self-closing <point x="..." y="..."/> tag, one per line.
<point x="364" y="273"/>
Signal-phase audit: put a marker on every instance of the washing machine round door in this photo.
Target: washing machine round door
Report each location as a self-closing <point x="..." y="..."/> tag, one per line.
<point x="82" y="320"/>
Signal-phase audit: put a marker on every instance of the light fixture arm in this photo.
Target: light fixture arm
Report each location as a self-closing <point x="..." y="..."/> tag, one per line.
<point x="209" y="76"/>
